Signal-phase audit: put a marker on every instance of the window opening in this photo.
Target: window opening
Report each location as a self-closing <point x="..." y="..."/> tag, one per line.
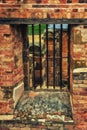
<point x="49" y="46"/>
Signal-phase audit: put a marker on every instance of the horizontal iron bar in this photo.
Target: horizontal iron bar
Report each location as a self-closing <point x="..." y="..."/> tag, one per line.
<point x="40" y="21"/>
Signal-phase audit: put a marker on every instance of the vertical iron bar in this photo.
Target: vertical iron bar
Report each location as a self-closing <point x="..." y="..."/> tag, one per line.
<point x="33" y="56"/>
<point x="3" y="1"/>
<point x="61" y="33"/>
<point x="40" y="56"/>
<point x="47" y="50"/>
<point x="24" y="1"/>
<point x="69" y="33"/>
<point x="54" y="56"/>
<point x="29" y="59"/>
<point x="24" y="35"/>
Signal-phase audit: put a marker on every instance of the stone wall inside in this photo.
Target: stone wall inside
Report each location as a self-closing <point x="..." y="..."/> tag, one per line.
<point x="57" y="55"/>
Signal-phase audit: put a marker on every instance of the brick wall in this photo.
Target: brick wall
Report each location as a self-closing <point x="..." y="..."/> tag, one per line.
<point x="79" y="76"/>
<point x="43" y="1"/>
<point x="11" y="66"/>
<point x="45" y="9"/>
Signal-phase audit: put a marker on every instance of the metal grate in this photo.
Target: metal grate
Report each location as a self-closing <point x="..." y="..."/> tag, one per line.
<point x="50" y="51"/>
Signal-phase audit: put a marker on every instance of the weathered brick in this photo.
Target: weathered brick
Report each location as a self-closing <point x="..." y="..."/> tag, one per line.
<point x="26" y="128"/>
<point x="78" y="53"/>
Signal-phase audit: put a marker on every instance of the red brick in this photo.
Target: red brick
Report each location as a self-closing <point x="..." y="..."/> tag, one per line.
<point x="5" y="108"/>
<point x="81" y="127"/>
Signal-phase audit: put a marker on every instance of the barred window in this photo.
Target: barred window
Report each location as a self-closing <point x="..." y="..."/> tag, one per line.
<point x="49" y="46"/>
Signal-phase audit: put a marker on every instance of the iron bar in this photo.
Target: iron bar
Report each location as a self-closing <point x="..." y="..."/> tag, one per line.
<point x="29" y="59"/>
<point x="69" y="34"/>
<point x="47" y="51"/>
<point x="42" y="21"/>
<point x="54" y="56"/>
<point x="3" y="1"/>
<point x="61" y="57"/>
<point x="40" y="56"/>
<point x="33" y="55"/>
<point x="24" y="35"/>
<point x="24" y="1"/>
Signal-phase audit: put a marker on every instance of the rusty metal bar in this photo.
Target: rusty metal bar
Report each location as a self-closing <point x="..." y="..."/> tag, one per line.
<point x="47" y="51"/>
<point x="54" y="56"/>
<point x="69" y="34"/>
<point x="61" y="33"/>
<point x="3" y="1"/>
<point x="24" y="34"/>
<point x="40" y="56"/>
<point x="33" y="40"/>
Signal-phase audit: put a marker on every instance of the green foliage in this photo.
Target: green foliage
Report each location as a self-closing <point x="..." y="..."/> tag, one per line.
<point x="36" y="29"/>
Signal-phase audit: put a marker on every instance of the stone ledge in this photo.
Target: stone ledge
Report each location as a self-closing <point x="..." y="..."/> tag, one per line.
<point x="6" y="117"/>
<point x="38" y="108"/>
<point x="79" y="70"/>
<point x="17" y="92"/>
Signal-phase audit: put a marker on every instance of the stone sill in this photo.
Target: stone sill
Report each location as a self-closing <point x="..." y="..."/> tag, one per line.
<point x="10" y="120"/>
<point x="6" y="119"/>
<point x="53" y="113"/>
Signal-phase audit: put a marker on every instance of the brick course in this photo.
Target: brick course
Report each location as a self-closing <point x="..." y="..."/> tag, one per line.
<point x="47" y="9"/>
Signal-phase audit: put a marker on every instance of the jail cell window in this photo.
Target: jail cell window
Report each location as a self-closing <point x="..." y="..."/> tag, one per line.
<point x="49" y="47"/>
